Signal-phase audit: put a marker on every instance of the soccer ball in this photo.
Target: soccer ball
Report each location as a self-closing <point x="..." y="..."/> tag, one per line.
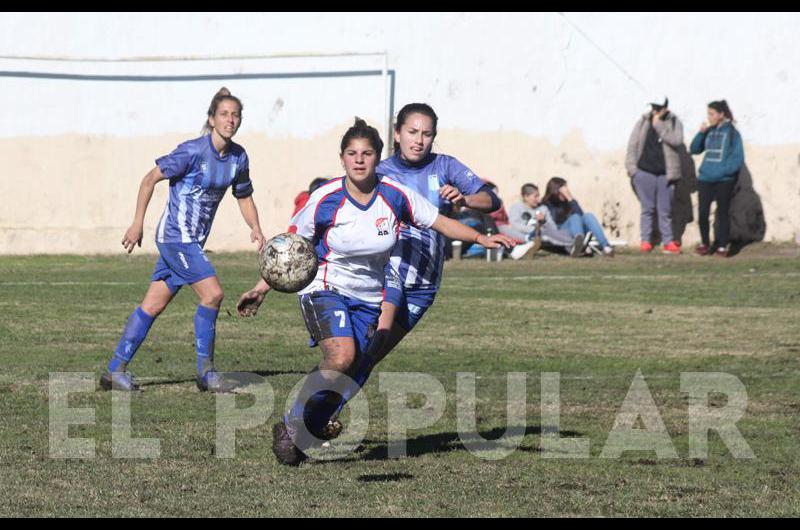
<point x="288" y="262"/>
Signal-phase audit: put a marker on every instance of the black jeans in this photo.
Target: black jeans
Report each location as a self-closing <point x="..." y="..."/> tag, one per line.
<point x="722" y="193"/>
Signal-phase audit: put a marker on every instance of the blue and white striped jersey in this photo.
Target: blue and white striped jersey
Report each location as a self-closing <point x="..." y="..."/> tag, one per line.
<point x="198" y="178"/>
<point x="418" y="257"/>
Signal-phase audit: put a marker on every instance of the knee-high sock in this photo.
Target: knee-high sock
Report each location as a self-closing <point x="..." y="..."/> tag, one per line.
<point x="205" y="320"/>
<point x="136" y="329"/>
<point x="313" y="406"/>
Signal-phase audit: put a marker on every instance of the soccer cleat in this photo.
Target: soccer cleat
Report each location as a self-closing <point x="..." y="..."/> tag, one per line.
<point x="578" y="247"/>
<point x="212" y="381"/>
<point x="671" y="248"/>
<point x="702" y="250"/>
<point x="608" y="251"/>
<point x="646" y="247"/>
<point x="721" y="252"/>
<point x="283" y="447"/>
<point x="124" y="381"/>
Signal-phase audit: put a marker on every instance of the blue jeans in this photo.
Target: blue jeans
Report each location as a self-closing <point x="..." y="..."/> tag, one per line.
<point x="580" y="224"/>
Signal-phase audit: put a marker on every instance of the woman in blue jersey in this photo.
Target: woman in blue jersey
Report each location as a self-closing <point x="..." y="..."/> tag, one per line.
<point x="199" y="171"/>
<point x="354" y="223"/>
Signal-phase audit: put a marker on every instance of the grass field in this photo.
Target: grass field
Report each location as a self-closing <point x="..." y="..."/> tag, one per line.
<point x="596" y="321"/>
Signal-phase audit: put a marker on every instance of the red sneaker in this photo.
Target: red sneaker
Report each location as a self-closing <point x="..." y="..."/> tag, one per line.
<point x="702" y="250"/>
<point x="671" y="248"/>
<point x="645" y="247"/>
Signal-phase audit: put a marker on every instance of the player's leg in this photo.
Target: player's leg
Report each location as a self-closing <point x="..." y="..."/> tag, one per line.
<point x="190" y="266"/>
<point x="394" y="324"/>
<point x="158" y="296"/>
<point x="210" y="294"/>
<point x="327" y="317"/>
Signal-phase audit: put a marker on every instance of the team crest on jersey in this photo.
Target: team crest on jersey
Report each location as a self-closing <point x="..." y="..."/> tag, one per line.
<point x="204" y="166"/>
<point x="382" y="224"/>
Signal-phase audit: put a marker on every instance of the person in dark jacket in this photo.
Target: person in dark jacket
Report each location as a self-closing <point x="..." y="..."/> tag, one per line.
<point x="569" y="216"/>
<point x="724" y="157"/>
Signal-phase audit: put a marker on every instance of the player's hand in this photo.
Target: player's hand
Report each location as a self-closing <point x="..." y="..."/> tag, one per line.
<point x="452" y="194"/>
<point x="540" y="216"/>
<point x="133" y="237"/>
<point x="496" y="241"/>
<point x="565" y="193"/>
<point x="704" y="127"/>
<point x="249" y="303"/>
<point x="257" y="236"/>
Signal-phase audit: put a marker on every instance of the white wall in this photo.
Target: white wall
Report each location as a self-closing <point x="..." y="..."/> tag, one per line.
<point x="528" y="74"/>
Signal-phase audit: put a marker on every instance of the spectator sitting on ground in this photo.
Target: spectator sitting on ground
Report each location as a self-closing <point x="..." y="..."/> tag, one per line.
<point x="533" y="224"/>
<point x="569" y="216"/>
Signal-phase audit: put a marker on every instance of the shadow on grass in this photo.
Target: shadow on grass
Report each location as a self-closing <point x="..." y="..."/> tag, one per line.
<point x="239" y="378"/>
<point x="447" y="442"/>
<point x="387" y="477"/>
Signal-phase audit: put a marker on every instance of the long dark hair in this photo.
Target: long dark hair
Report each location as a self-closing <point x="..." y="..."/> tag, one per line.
<point x="221" y="95"/>
<point x="722" y="107"/>
<point x="551" y="194"/>
<point x="415" y="108"/>
<point x="360" y="129"/>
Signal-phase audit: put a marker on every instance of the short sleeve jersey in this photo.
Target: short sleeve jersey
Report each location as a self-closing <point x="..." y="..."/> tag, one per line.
<point x="353" y="241"/>
<point x="198" y="179"/>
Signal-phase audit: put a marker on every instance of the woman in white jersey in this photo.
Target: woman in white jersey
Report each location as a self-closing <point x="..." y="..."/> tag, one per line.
<point x="353" y="222"/>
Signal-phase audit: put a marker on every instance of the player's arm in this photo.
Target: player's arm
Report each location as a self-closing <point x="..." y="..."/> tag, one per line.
<point x="303" y="224"/>
<point x="250" y="214"/>
<point x="250" y="301"/>
<point x="464" y="188"/>
<point x="484" y="201"/>
<point x="459" y="231"/>
<point x="133" y="236"/>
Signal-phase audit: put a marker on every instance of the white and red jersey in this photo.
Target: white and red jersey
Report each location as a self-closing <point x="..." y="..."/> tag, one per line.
<point x="353" y="241"/>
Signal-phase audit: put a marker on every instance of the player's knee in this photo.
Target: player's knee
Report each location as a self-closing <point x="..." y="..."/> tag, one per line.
<point x="340" y="359"/>
<point x="153" y="308"/>
<point x="213" y="298"/>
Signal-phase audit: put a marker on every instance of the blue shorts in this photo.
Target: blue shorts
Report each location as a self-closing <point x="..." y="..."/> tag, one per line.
<point x="181" y="264"/>
<point x="411" y="303"/>
<point x="329" y="314"/>
<point x="415" y="303"/>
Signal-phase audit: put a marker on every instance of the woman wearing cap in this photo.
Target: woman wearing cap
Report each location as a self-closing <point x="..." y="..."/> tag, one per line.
<point x="654" y="165"/>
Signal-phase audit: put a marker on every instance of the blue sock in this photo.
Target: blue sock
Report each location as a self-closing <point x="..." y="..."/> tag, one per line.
<point x="315" y="409"/>
<point x="135" y="331"/>
<point x="204" y="332"/>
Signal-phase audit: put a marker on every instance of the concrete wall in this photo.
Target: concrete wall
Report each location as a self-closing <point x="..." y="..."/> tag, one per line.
<point x="521" y="97"/>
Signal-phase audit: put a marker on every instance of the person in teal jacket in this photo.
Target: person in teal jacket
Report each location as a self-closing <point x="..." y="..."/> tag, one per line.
<point x="724" y="157"/>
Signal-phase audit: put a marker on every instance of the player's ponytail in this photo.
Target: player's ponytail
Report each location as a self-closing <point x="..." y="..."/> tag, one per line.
<point x="360" y="129"/>
<point x="221" y="95"/>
